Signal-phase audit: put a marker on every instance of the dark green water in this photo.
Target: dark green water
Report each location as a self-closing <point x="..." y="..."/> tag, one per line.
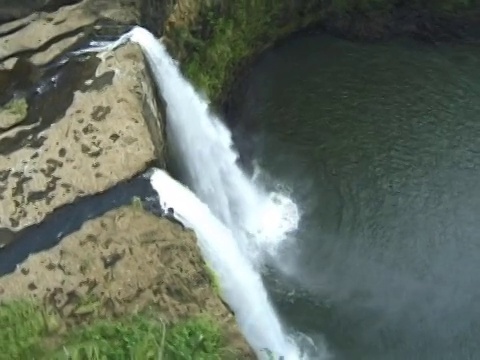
<point x="380" y="146"/>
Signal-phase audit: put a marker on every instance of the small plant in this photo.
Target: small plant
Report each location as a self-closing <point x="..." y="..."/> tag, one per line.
<point x="18" y="107"/>
<point x="13" y="113"/>
<point x="198" y="338"/>
<point x="137" y="203"/>
<point x="88" y="305"/>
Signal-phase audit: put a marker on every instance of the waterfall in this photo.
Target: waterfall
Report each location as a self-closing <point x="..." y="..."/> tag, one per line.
<point x="242" y="287"/>
<point x="209" y="162"/>
<point x="232" y="218"/>
<point x="235" y="221"/>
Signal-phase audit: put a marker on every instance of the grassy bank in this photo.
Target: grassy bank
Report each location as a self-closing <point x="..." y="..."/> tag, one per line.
<point x="224" y="34"/>
<point x="30" y="331"/>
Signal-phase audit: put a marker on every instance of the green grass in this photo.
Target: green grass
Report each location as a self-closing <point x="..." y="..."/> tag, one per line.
<point x="23" y="326"/>
<point x="29" y="331"/>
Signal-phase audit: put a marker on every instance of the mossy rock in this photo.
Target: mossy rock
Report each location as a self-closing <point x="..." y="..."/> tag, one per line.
<point x="13" y="113"/>
<point x="225" y="34"/>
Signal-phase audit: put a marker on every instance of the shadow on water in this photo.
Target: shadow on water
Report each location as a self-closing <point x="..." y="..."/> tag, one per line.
<point x="69" y="218"/>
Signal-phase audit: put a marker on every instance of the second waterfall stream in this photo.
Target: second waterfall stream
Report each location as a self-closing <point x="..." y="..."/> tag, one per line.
<point x="235" y="220"/>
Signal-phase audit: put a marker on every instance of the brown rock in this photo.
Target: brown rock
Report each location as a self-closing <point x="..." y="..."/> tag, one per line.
<point x="78" y="155"/>
<point x="121" y="263"/>
<point x="54" y="32"/>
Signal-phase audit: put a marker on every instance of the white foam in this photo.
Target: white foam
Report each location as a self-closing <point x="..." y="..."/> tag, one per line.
<point x="229" y="208"/>
<point x="209" y="160"/>
<point x="242" y="287"/>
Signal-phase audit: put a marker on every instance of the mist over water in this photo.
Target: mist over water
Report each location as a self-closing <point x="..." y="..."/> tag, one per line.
<point x="380" y="145"/>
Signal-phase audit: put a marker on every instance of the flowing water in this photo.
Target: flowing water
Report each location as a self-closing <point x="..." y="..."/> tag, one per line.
<point x="234" y="220"/>
<point x="242" y="287"/>
<point x="238" y="221"/>
<point x="379" y="145"/>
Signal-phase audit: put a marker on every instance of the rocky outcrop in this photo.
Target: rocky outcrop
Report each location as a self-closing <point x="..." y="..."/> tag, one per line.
<point x="119" y="264"/>
<point x="12" y="10"/>
<point x="82" y="128"/>
<point x="13" y="113"/>
<point x="101" y="139"/>
<point x="73" y="126"/>
<point x="42" y="36"/>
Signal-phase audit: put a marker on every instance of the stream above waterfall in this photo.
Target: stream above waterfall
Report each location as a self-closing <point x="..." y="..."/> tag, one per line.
<point x="379" y="147"/>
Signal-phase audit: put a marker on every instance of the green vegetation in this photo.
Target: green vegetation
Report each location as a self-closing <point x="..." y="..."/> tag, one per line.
<point x="29" y="331"/>
<point x="12" y="113"/>
<point x="23" y="327"/>
<point x="214" y="280"/>
<point x="234" y="31"/>
<point x="137" y="203"/>
<point x="17" y="107"/>
<point x="227" y="33"/>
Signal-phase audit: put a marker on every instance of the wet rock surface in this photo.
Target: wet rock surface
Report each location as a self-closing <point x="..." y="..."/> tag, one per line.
<point x="16" y="247"/>
<point x="120" y="263"/>
<point x="44" y="35"/>
<point x="80" y="141"/>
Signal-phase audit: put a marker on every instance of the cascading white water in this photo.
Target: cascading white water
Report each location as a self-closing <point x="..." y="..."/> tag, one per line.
<point x="242" y="287"/>
<point x="249" y="216"/>
<point x="249" y="220"/>
<point x="205" y="147"/>
<point x="259" y="219"/>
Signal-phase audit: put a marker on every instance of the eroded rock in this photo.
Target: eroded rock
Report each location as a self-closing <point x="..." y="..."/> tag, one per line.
<point x="103" y="138"/>
<point x="119" y="264"/>
<point x="45" y="35"/>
